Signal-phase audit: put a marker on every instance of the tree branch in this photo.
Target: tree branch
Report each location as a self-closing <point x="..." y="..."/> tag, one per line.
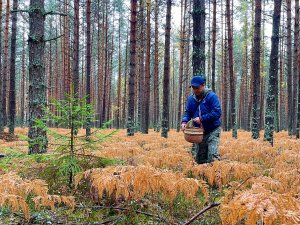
<point x="54" y="13"/>
<point x="19" y="10"/>
<point x="51" y="39"/>
<point x="201" y="212"/>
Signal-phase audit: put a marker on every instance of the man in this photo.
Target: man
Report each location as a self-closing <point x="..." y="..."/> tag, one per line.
<point x="203" y="106"/>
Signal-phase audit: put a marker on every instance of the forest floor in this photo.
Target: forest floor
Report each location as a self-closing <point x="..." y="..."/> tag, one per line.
<point x="147" y="179"/>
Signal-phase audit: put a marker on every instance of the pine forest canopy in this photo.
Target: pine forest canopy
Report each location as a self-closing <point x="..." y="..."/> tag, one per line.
<point x="134" y="60"/>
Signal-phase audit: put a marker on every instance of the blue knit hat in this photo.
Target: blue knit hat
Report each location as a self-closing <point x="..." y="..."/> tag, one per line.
<point x="197" y="81"/>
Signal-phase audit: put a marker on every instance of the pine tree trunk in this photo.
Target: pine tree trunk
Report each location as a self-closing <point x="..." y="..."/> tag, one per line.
<point x="256" y="71"/>
<point x="12" y="83"/>
<point x="37" y="81"/>
<point x="166" y="80"/>
<point x="132" y="71"/>
<point x="124" y="114"/>
<point x="298" y="65"/>
<point x="156" y="69"/>
<point x="5" y="65"/>
<point x="214" y="39"/>
<point x="1" y="76"/>
<point x="289" y="71"/>
<point x="187" y="57"/>
<point x="295" y="66"/>
<point x="88" y="62"/>
<point x="232" y="83"/>
<point x="273" y="72"/>
<point x="23" y="84"/>
<point x="182" y="40"/>
<point x="199" y="38"/>
<point x="147" y="72"/>
<point x="75" y="66"/>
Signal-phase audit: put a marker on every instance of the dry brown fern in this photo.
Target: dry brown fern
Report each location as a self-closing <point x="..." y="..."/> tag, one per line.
<point x="134" y="182"/>
<point x="14" y="190"/>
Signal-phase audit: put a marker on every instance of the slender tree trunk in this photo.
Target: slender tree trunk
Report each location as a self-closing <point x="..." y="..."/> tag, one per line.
<point x="124" y="114"/>
<point x="199" y="38"/>
<point x="187" y="57"/>
<point x="5" y="65"/>
<point x="118" y="114"/>
<point x="1" y="76"/>
<point x="88" y="61"/>
<point x="37" y="81"/>
<point x="256" y="71"/>
<point x="23" y="83"/>
<point x="132" y="72"/>
<point x="298" y="64"/>
<point x="295" y="66"/>
<point x="166" y="81"/>
<point x="156" y="69"/>
<point x="214" y="39"/>
<point x="273" y="72"/>
<point x="289" y="71"/>
<point x="147" y="73"/>
<point x="182" y="40"/>
<point x="232" y="83"/>
<point x="75" y="66"/>
<point x="12" y="86"/>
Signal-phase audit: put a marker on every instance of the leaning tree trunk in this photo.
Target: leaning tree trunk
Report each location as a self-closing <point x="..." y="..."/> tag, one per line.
<point x="132" y="71"/>
<point x="12" y="84"/>
<point x="273" y="73"/>
<point x="166" y="81"/>
<point x="256" y="71"/>
<point x="232" y="83"/>
<point x="37" y="81"/>
<point x="199" y="38"/>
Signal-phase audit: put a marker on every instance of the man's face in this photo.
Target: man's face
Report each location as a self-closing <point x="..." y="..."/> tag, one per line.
<point x="198" y="90"/>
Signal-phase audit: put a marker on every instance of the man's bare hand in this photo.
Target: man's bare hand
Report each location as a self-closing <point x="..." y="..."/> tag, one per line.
<point x="197" y="120"/>
<point x="183" y="126"/>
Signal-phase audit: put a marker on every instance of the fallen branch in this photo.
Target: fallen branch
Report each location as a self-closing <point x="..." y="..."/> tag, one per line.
<point x="201" y="212"/>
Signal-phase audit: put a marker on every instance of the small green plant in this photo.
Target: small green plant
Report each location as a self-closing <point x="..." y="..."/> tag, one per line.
<point x="72" y="150"/>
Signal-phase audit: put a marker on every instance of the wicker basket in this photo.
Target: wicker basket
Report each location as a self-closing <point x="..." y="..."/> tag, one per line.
<point x="193" y="134"/>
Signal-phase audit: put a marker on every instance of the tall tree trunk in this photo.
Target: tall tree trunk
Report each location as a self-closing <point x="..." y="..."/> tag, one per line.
<point x="124" y="115"/>
<point x="12" y="86"/>
<point x="88" y="61"/>
<point x="105" y="61"/>
<point x="166" y="81"/>
<point x="187" y="57"/>
<point x="182" y="40"/>
<point x="118" y="113"/>
<point x="199" y="38"/>
<point x="37" y="82"/>
<point x="1" y="75"/>
<point x="232" y="83"/>
<point x="23" y="83"/>
<point x="5" y="65"/>
<point x="298" y="65"/>
<point x="156" y="69"/>
<point x="147" y="72"/>
<point x="289" y="71"/>
<point x="75" y="65"/>
<point x="295" y="65"/>
<point x="256" y="71"/>
<point x="273" y="72"/>
<point x="214" y="39"/>
<point x="132" y="72"/>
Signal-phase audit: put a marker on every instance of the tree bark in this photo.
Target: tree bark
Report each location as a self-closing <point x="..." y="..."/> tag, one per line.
<point x="289" y="71"/>
<point x="273" y="72"/>
<point x="295" y="66"/>
<point x="12" y="86"/>
<point x="1" y="76"/>
<point x="88" y="62"/>
<point x="132" y="71"/>
<point x="214" y="39"/>
<point x="75" y="65"/>
<point x="256" y="71"/>
<point x="166" y="80"/>
<point x="37" y="82"/>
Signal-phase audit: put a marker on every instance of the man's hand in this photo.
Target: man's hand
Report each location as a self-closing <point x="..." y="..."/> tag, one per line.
<point x="183" y="126"/>
<point x="197" y="120"/>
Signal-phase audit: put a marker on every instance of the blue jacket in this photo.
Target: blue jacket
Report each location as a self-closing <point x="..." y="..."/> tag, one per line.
<point x="209" y="107"/>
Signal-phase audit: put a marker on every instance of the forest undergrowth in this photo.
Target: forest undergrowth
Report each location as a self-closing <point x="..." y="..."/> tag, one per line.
<point x="147" y="179"/>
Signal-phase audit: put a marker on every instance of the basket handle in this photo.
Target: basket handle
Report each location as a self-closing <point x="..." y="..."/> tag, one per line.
<point x="190" y="124"/>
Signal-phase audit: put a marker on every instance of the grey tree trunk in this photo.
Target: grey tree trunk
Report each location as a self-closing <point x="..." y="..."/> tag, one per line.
<point x="12" y="83"/>
<point x="256" y="72"/>
<point x="166" y="81"/>
<point x="1" y="75"/>
<point x="273" y="73"/>
<point x="289" y="71"/>
<point x="37" y="81"/>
